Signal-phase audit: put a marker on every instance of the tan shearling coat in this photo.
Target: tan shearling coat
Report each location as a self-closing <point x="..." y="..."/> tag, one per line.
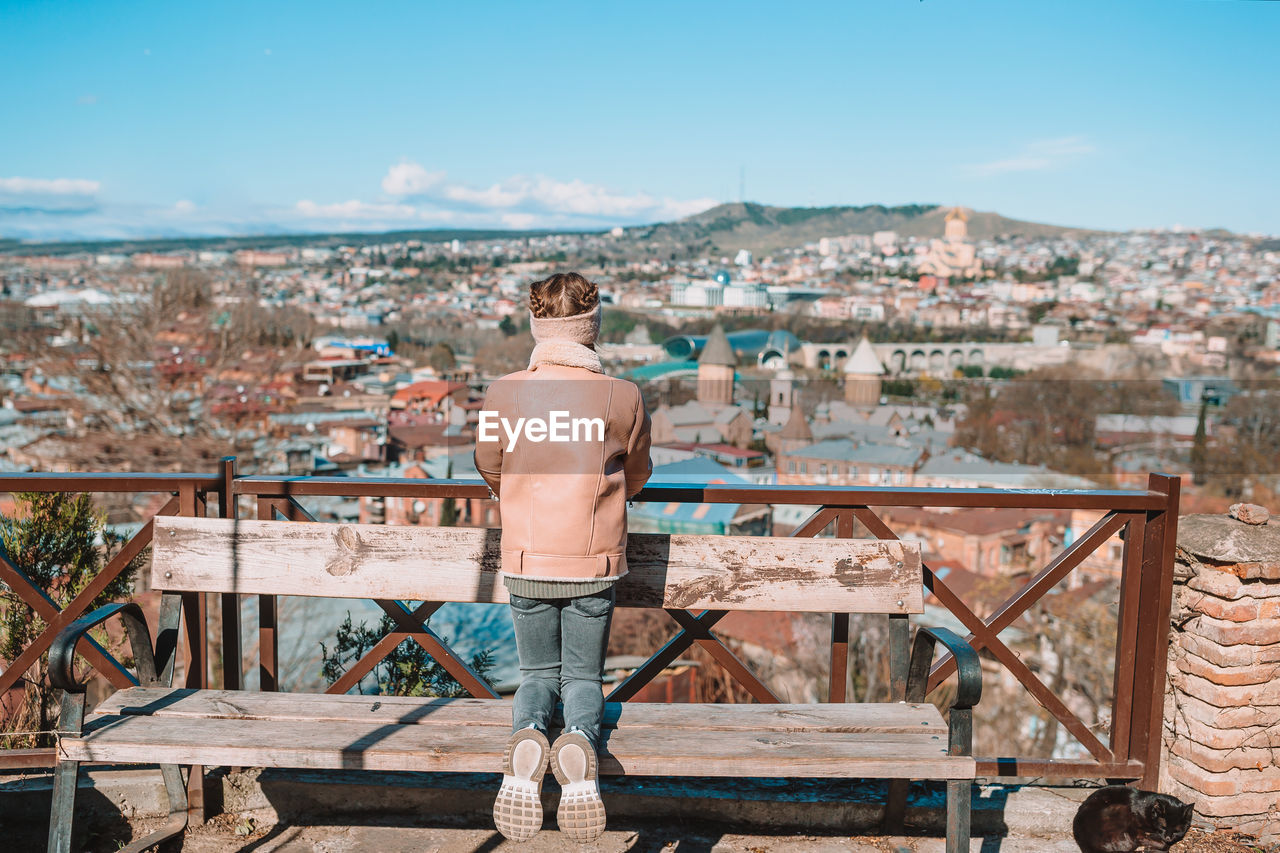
<point x="563" y="504"/>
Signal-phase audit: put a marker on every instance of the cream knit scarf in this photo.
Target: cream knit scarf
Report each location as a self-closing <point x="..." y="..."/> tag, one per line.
<point x="566" y="340"/>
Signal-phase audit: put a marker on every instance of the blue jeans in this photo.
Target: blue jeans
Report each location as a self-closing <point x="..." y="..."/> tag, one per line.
<point x="561" y="643"/>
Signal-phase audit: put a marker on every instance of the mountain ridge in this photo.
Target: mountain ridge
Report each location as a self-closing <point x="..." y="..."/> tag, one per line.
<point x="757" y="227"/>
<point x="723" y="228"/>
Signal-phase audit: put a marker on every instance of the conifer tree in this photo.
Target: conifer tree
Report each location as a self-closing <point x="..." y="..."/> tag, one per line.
<point x="60" y="542"/>
<point x="1200" y="449"/>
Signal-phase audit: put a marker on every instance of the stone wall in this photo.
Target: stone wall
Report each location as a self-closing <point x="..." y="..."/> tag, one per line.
<point x="1222" y="707"/>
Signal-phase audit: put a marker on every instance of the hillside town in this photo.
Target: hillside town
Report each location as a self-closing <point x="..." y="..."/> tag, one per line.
<point x="847" y="361"/>
<point x="870" y="360"/>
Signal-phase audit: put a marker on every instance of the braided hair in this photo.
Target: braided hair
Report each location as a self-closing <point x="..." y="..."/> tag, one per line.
<point x="565" y="294"/>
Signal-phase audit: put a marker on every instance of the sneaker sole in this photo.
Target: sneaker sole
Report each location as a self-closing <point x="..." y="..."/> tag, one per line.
<point x="517" y="812"/>
<point x="581" y="814"/>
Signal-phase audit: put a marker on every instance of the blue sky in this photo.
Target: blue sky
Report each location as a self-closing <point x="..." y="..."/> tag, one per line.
<point x="132" y="119"/>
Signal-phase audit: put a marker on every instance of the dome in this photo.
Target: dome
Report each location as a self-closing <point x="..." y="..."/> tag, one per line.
<point x="722" y="277"/>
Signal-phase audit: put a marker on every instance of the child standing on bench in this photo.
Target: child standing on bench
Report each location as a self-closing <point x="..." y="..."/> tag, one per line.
<point x="562" y="447"/>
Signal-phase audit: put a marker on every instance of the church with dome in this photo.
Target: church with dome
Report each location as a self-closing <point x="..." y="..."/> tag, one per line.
<point x="954" y="254"/>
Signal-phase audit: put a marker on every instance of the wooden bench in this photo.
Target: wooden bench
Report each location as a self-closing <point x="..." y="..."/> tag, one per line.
<point x="155" y="723"/>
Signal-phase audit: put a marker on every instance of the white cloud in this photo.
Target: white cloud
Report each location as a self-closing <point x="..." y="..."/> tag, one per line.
<point x="435" y="215"/>
<point x="519" y="221"/>
<point x="49" y="186"/>
<point x="410" y="179"/>
<point x="413" y="197"/>
<point x="1038" y="155"/>
<point x="354" y="209"/>
<point x="540" y="199"/>
<point x="498" y="195"/>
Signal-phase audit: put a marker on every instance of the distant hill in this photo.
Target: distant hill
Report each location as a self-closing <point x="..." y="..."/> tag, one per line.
<point x="724" y="228"/>
<point x="262" y="241"/>
<point x="758" y="227"/>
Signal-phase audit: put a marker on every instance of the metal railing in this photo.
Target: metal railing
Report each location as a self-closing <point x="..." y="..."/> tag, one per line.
<point x="188" y="494"/>
<point x="1146" y="519"/>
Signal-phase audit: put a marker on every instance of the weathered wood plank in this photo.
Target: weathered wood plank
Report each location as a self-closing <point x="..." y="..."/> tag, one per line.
<point x="634" y="751"/>
<point x="461" y="564"/>
<point x="891" y="718"/>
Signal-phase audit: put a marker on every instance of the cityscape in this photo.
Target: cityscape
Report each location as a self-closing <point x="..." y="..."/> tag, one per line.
<point x="833" y="259"/>
<point x="372" y="356"/>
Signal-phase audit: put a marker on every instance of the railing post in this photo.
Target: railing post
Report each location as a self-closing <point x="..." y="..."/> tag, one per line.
<point x="1152" y="647"/>
<point x="838" y="676"/>
<point x="231" y="663"/>
<point x="268" y="644"/>
<point x="193" y="605"/>
<point x="195" y="615"/>
<point x="1125" y="672"/>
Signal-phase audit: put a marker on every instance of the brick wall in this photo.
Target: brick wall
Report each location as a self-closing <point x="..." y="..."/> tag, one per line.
<point x="1222" y="707"/>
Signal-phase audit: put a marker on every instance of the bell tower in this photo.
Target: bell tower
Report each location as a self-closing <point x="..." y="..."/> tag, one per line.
<point x="956" y="229"/>
<point x="716" y="369"/>
<point x="862" y="376"/>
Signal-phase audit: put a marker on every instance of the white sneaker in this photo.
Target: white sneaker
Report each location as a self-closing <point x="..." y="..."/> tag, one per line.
<point x="581" y="812"/>
<point x="517" y="813"/>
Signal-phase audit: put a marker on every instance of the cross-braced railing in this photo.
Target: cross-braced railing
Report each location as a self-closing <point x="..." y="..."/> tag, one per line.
<point x="1145" y="518"/>
<point x="187" y="495"/>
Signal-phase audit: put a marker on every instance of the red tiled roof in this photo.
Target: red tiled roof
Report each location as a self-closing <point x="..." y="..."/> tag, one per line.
<point x="428" y="390"/>
<point x="424" y="435"/>
<point x="977" y="522"/>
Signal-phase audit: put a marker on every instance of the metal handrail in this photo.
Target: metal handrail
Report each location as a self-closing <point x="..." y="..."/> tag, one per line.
<point x="832" y="496"/>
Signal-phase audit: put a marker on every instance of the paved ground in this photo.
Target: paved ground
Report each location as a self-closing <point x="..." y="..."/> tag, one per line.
<point x="226" y="833"/>
<point x="635" y="837"/>
<point x="360" y="816"/>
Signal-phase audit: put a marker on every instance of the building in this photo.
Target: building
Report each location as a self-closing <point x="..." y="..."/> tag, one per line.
<point x="428" y="395"/>
<point x="698" y="423"/>
<point x="989" y="542"/>
<point x="781" y="395"/>
<point x="953" y="255"/>
<point x="258" y="258"/>
<point x="332" y="370"/>
<point x="697" y="294"/>
<point x="956" y="468"/>
<point x="716" y="368"/>
<point x="751" y="294"/>
<point x="849" y="462"/>
<point x="152" y="261"/>
<point x="1191" y="391"/>
<point x="862" y="372"/>
<point x="691" y="518"/>
<point x="795" y="433"/>
<point x="432" y="512"/>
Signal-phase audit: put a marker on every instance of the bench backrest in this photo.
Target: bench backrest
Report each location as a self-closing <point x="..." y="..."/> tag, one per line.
<point x="461" y="564"/>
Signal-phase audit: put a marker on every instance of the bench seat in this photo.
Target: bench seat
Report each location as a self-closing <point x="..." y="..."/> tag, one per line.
<point x="410" y="571"/>
<point x="246" y="729"/>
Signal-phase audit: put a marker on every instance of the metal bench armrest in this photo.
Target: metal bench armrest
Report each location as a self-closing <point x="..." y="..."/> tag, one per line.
<point x="63" y="651"/>
<point x="968" y="674"/>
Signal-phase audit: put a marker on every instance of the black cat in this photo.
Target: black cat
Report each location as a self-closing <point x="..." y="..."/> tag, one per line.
<point x="1120" y="819"/>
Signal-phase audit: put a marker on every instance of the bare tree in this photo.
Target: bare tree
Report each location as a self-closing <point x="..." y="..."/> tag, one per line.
<point x="148" y="364"/>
